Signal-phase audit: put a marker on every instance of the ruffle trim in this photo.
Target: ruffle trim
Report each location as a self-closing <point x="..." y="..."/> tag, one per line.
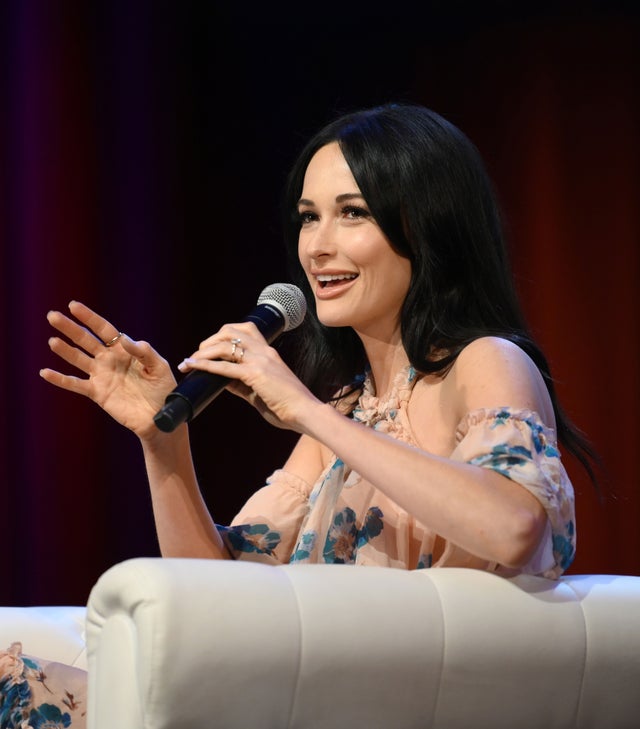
<point x="285" y="478"/>
<point x="518" y="417"/>
<point x="371" y="409"/>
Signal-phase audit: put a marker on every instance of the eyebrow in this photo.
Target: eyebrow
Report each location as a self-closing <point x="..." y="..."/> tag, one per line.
<point x="340" y="198"/>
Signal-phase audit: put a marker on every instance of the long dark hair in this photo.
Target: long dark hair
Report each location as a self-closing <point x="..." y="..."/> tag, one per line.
<point x="427" y="188"/>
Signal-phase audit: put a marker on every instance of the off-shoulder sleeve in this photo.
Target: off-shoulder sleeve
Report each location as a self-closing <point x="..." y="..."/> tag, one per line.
<point x="266" y="528"/>
<point x="518" y="445"/>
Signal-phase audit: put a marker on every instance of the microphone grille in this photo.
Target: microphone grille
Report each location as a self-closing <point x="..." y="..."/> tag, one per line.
<point x="289" y="299"/>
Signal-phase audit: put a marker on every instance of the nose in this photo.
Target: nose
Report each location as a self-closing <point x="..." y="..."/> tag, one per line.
<point x="317" y="242"/>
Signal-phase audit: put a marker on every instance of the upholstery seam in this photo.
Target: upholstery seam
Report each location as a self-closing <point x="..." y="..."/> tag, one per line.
<point x="584" y="651"/>
<point x="436" y="703"/>
<point x="294" y="699"/>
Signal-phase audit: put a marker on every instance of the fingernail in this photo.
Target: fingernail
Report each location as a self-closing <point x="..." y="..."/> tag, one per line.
<point x="184" y="365"/>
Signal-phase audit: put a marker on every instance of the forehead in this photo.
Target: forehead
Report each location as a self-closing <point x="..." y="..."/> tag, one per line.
<point x="328" y="171"/>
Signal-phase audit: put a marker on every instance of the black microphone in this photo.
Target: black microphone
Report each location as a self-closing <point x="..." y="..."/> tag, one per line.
<point x="280" y="308"/>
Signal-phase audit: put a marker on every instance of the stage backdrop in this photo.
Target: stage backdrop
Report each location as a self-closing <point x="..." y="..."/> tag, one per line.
<point x="143" y="149"/>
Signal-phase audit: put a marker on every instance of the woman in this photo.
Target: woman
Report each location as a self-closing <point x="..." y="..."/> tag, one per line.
<point x="426" y="413"/>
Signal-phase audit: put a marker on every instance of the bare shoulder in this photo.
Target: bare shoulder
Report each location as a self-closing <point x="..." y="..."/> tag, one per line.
<point x="495" y="351"/>
<point x="494" y="372"/>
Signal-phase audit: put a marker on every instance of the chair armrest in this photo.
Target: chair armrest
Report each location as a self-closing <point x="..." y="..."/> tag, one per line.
<point x="55" y="633"/>
<point x="193" y="643"/>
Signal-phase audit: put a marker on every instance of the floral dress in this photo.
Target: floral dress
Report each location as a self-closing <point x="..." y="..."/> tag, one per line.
<point x="344" y="519"/>
<point x="40" y="694"/>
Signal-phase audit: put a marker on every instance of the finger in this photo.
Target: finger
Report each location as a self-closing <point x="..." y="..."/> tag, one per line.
<point x="143" y="353"/>
<point x="246" y="331"/>
<point x="212" y="352"/>
<point x="66" y="382"/>
<point x="102" y="328"/>
<point x="79" y="335"/>
<point x="216" y="366"/>
<point x="71" y="355"/>
<point x="232" y="351"/>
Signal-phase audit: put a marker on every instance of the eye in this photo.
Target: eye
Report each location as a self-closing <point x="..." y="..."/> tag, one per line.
<point x="306" y="216"/>
<point x="353" y="212"/>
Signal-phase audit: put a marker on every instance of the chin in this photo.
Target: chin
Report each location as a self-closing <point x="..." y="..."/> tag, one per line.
<point x="332" y="322"/>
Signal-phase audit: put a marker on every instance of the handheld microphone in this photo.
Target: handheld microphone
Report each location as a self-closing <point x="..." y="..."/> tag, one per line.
<point x="280" y="308"/>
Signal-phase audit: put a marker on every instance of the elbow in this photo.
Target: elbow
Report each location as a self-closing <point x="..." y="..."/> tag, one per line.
<point x="524" y="537"/>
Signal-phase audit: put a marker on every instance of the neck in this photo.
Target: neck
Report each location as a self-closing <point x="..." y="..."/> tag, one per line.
<point x="385" y="359"/>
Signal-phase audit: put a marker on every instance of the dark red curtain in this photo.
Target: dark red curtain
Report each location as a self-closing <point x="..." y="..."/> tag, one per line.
<point x="143" y="147"/>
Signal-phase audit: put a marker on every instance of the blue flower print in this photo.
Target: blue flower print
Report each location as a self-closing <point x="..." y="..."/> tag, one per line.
<point x="305" y="547"/>
<point x="340" y="545"/>
<point x="372" y="526"/>
<point x="563" y="548"/>
<point x="16" y="697"/>
<point x="540" y="442"/>
<point x="329" y="477"/>
<point x="503" y="457"/>
<point x="501" y="418"/>
<point x="251" y="538"/>
<point x="344" y="538"/>
<point x="48" y="716"/>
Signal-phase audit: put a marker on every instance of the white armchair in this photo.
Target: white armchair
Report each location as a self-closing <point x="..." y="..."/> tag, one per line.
<point x="195" y="644"/>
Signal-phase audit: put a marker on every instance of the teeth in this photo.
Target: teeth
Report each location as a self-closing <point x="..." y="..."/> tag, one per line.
<point x="338" y="277"/>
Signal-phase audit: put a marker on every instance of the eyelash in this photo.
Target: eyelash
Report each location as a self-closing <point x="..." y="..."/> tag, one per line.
<point x="307" y="216"/>
<point x="360" y="212"/>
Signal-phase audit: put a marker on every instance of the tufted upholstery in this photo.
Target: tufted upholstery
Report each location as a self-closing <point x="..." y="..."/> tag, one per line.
<point x="196" y="643"/>
<point x="199" y="644"/>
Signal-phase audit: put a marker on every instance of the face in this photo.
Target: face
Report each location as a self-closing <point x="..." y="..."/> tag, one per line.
<point x="358" y="280"/>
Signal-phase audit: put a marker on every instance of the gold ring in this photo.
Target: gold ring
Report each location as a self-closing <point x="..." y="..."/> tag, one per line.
<point x="111" y="342"/>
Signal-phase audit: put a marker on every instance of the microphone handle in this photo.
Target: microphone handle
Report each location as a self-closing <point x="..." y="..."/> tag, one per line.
<point x="199" y="388"/>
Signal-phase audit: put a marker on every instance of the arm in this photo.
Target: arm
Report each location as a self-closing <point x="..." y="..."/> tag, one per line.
<point x="478" y="509"/>
<point x="129" y="380"/>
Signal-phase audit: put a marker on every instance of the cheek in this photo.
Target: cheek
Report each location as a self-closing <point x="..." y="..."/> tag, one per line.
<point x="397" y="271"/>
<point x="301" y="251"/>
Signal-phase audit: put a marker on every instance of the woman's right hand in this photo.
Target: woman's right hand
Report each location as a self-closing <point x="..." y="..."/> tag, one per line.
<point x="128" y="379"/>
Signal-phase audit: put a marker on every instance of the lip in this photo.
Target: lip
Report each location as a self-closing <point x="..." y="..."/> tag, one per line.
<point x="336" y="289"/>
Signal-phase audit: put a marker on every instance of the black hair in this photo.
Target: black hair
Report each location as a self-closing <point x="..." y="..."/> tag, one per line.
<point x="426" y="186"/>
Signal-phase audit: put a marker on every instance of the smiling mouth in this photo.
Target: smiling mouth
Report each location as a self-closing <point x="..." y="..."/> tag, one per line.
<point x="327" y="281"/>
